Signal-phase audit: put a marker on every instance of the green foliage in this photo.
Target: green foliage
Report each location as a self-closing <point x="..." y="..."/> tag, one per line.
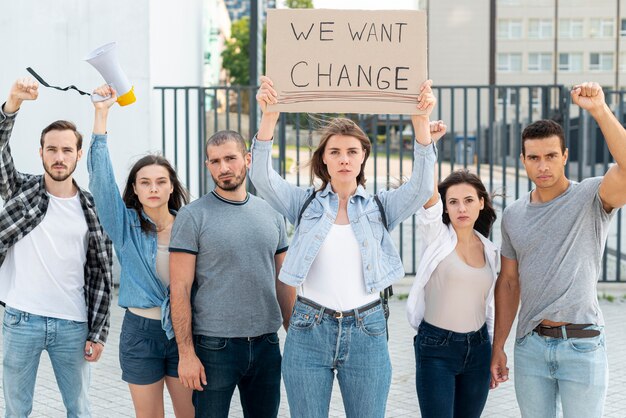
<point x="299" y="4"/>
<point x="236" y="56"/>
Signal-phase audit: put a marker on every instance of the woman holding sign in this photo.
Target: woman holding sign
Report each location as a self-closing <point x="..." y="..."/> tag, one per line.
<point x="451" y="302"/>
<point x="340" y="258"/>
<point x="139" y="223"/>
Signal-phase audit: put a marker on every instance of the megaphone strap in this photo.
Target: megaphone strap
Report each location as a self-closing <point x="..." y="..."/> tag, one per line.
<point x="44" y="83"/>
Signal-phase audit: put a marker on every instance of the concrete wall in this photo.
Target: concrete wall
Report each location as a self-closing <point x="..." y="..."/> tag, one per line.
<point x="159" y="42"/>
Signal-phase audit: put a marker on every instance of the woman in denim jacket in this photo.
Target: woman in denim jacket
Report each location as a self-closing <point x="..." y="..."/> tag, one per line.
<point x="139" y="224"/>
<point x="451" y="301"/>
<point x="340" y="258"/>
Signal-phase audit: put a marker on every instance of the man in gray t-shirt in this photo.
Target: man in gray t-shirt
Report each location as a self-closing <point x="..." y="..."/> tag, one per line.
<point x="552" y="244"/>
<point x="227" y="304"/>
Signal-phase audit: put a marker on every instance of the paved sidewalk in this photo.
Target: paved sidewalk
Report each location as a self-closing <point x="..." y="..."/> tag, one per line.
<point x="110" y="397"/>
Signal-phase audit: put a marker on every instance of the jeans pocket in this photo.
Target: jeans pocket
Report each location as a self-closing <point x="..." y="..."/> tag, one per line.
<point x="301" y="319"/>
<point x="586" y="345"/>
<point x="272" y="338"/>
<point x="11" y="318"/>
<point x="211" y="343"/>
<point x="521" y="341"/>
<point x="373" y="324"/>
<point x="432" y="340"/>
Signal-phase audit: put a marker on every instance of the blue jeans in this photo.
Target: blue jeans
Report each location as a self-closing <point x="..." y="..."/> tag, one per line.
<point x="574" y="369"/>
<point x="25" y="336"/>
<point x="355" y="347"/>
<point x="250" y="364"/>
<point x="452" y="371"/>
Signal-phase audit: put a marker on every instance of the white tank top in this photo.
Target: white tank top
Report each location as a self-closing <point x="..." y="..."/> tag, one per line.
<point x="456" y="295"/>
<point x="43" y="273"/>
<point x="335" y="279"/>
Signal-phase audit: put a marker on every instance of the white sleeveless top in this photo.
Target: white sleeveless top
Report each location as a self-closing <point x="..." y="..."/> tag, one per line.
<point x="335" y="279"/>
<point x="456" y="295"/>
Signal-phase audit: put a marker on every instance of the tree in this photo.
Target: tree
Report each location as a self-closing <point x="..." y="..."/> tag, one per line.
<point x="235" y="57"/>
<point x="299" y="4"/>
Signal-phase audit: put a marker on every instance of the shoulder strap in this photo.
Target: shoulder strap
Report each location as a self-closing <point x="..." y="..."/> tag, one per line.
<point x="306" y="205"/>
<point x="382" y="211"/>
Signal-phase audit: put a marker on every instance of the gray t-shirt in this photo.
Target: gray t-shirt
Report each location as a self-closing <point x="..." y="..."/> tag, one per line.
<point x="558" y="246"/>
<point x="234" y="291"/>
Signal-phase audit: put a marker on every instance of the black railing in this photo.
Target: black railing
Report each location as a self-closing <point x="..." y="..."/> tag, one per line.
<point x="484" y="131"/>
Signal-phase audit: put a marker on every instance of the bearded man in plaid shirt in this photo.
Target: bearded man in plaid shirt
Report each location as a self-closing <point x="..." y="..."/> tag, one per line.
<point x="55" y="267"/>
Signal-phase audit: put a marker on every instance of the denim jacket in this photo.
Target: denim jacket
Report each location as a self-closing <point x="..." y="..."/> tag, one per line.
<point x="381" y="262"/>
<point x="140" y="287"/>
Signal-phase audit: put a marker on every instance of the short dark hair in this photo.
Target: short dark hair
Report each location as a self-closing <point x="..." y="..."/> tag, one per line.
<point x="63" y="125"/>
<point x="543" y="129"/>
<point x="486" y="216"/>
<point x="222" y="137"/>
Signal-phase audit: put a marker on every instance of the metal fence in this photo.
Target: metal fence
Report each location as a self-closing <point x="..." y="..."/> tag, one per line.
<point x="484" y="131"/>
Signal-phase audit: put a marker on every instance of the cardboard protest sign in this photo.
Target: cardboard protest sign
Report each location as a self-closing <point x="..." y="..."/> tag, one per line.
<point x="348" y="61"/>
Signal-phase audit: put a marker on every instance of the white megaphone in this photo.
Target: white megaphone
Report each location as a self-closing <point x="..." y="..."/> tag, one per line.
<point x="104" y="59"/>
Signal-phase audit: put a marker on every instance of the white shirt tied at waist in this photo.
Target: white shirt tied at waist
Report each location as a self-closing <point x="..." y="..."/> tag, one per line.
<point x="440" y="240"/>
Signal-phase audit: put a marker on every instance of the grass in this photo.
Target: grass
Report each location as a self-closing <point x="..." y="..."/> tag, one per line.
<point x="607" y="297"/>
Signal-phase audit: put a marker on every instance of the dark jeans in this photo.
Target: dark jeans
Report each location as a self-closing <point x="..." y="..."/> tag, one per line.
<point x="252" y="365"/>
<point x="452" y="371"/>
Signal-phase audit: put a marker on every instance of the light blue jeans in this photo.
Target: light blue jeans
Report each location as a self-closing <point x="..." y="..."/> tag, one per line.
<point x="25" y="336"/>
<point x="318" y="344"/>
<point x="574" y="369"/>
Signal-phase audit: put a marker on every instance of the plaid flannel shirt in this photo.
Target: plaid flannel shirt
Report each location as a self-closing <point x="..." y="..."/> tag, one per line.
<point x="25" y="205"/>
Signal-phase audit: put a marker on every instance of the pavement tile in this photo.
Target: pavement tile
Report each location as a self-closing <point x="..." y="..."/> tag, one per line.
<point x="110" y="397"/>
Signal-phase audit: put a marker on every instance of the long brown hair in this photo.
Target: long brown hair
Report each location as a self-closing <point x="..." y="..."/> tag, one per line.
<point x="487" y="214"/>
<point x="338" y="126"/>
<point x="178" y="198"/>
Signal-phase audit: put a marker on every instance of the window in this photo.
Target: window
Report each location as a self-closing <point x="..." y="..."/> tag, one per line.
<point x="602" y="28"/>
<point x="508" y="95"/>
<point x="622" y="31"/>
<point x="539" y="61"/>
<point x="622" y="61"/>
<point x="509" y="2"/>
<point x="570" y="28"/>
<point x="571" y="62"/>
<point x="539" y="29"/>
<point x="509" y="29"/>
<point x="601" y="61"/>
<point x="508" y="63"/>
<point x="535" y="98"/>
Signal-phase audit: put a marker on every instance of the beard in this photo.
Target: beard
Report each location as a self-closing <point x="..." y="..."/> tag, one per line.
<point x="232" y="183"/>
<point x="62" y="176"/>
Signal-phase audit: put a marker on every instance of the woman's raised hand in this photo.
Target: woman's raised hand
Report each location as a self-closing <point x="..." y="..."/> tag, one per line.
<point x="266" y="94"/>
<point x="437" y="130"/>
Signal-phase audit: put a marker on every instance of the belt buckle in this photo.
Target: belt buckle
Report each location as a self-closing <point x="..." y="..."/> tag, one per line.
<point x="338" y="315"/>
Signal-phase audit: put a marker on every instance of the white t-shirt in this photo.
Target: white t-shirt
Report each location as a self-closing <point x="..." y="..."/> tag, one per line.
<point x="335" y="279"/>
<point x="43" y="273"/>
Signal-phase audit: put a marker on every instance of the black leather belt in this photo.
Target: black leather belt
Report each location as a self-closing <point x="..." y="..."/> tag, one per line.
<point x="571" y="331"/>
<point x="338" y="314"/>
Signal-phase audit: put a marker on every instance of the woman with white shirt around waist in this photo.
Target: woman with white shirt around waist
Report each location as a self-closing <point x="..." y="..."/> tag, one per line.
<point x="139" y="224"/>
<point x="451" y="301"/>
<point x="341" y="256"/>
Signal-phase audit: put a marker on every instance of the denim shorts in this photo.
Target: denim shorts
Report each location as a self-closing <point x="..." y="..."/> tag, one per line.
<point x="146" y="355"/>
